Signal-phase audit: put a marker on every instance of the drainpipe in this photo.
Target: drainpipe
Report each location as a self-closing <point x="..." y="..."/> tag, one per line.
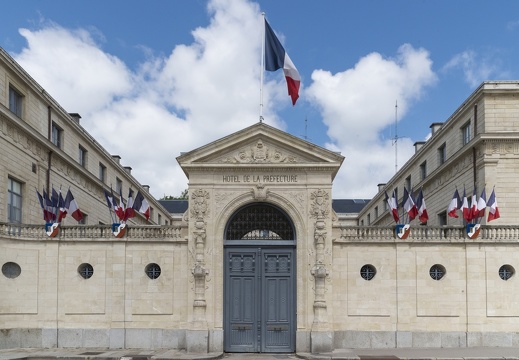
<point x="474" y="172"/>
<point x="49" y="159"/>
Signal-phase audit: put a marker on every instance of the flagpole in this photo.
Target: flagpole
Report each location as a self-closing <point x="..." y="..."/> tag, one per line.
<point x="262" y="70"/>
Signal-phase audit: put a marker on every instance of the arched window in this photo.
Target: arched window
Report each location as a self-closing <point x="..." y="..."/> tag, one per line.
<point x="259" y="222"/>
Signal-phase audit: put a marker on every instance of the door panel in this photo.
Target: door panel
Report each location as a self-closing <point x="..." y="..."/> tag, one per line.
<point x="259" y="300"/>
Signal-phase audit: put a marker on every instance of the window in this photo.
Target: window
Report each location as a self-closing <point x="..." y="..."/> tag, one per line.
<point x="14" y="201"/>
<point x="423" y="170"/>
<point x="442" y="154"/>
<point x="56" y="135"/>
<point x="442" y="218"/>
<point x="368" y="272"/>
<point x="376" y="212"/>
<point x="83" y="221"/>
<point x="82" y="156"/>
<point x="465" y="133"/>
<point x="11" y="270"/>
<point x="369" y="219"/>
<point x="506" y="272"/>
<point x="408" y="184"/>
<point x="151" y="213"/>
<point x="85" y="270"/>
<point x="102" y="172"/>
<point x="159" y="221"/>
<point x="15" y="101"/>
<point x="118" y="185"/>
<point x="437" y="272"/>
<point x="152" y="270"/>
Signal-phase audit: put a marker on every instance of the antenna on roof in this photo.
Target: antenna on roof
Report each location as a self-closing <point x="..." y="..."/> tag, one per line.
<point x="306" y="129"/>
<point x="395" y="139"/>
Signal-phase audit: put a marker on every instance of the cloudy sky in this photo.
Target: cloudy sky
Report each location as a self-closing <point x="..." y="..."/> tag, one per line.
<point x="154" y="79"/>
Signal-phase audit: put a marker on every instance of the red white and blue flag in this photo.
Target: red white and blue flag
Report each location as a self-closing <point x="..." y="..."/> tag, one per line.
<point x="493" y="210"/>
<point x="467" y="215"/>
<point x="481" y="205"/>
<point x="141" y="205"/>
<point x="409" y="205"/>
<point x="130" y="211"/>
<point x="473" y="206"/>
<point x="47" y="215"/>
<point x="422" y="210"/>
<point x="72" y="207"/>
<point x="277" y="58"/>
<point x="454" y="205"/>
<point x="393" y="206"/>
<point x="62" y="208"/>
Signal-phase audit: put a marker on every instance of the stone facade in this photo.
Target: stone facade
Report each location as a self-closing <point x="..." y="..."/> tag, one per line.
<point x="166" y="286"/>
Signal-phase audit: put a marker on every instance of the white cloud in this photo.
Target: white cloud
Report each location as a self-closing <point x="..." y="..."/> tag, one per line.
<point x="200" y="92"/>
<point x="476" y="69"/>
<point x="210" y="88"/>
<point x="357" y="104"/>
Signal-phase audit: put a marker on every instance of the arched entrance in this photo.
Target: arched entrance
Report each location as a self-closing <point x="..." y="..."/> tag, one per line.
<point x="259" y="281"/>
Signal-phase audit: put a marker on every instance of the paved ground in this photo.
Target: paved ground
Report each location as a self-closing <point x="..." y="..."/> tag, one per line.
<point x="478" y="353"/>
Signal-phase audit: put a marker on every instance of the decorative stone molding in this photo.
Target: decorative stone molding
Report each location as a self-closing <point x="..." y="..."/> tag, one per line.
<point x="260" y="153"/>
<point x="260" y="192"/>
<point x="320" y="209"/>
<point x="199" y="204"/>
<point x="199" y="209"/>
<point x="320" y="206"/>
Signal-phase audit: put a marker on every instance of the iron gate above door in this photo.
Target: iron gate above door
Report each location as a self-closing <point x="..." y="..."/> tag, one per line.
<point x="259" y="283"/>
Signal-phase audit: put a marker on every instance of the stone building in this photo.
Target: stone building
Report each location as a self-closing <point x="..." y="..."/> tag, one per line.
<point x="259" y="258"/>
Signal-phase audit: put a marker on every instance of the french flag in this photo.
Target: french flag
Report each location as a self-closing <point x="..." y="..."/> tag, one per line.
<point x="393" y="206"/>
<point x="454" y="205"/>
<point x="493" y="210"/>
<point x="277" y="58"/>
<point x="422" y="209"/>
<point x="141" y="205"/>
<point x="409" y="205"/>
<point x="72" y="207"/>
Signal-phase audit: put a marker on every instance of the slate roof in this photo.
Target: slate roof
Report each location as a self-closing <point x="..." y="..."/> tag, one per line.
<point x="340" y="206"/>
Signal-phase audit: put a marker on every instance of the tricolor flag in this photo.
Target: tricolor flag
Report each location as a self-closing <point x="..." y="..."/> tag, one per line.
<point x="454" y="205"/>
<point x="277" y="58"/>
<point x="493" y="211"/>
<point x="119" y="208"/>
<point x="47" y="215"/>
<point x="141" y="205"/>
<point x="474" y="205"/>
<point x="130" y="211"/>
<point x="62" y="208"/>
<point x="409" y="205"/>
<point x="481" y="205"/>
<point x="48" y="206"/>
<point x="72" y="206"/>
<point x="422" y="210"/>
<point x="55" y="203"/>
<point x="465" y="207"/>
<point x="111" y="202"/>
<point x="393" y="206"/>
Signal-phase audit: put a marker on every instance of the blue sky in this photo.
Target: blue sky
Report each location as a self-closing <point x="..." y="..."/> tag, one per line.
<point x="183" y="73"/>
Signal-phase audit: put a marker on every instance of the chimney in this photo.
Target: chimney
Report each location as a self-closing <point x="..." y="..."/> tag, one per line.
<point x="418" y="145"/>
<point x="75" y="117"/>
<point x="146" y="187"/>
<point x="435" y="127"/>
<point x="128" y="169"/>
<point x="116" y="158"/>
<point x="381" y="187"/>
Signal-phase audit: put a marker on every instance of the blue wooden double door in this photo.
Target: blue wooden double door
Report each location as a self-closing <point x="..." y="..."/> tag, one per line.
<point x="260" y="299"/>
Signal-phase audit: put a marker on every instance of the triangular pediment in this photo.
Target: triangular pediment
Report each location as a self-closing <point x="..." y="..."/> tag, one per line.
<point x="257" y="145"/>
